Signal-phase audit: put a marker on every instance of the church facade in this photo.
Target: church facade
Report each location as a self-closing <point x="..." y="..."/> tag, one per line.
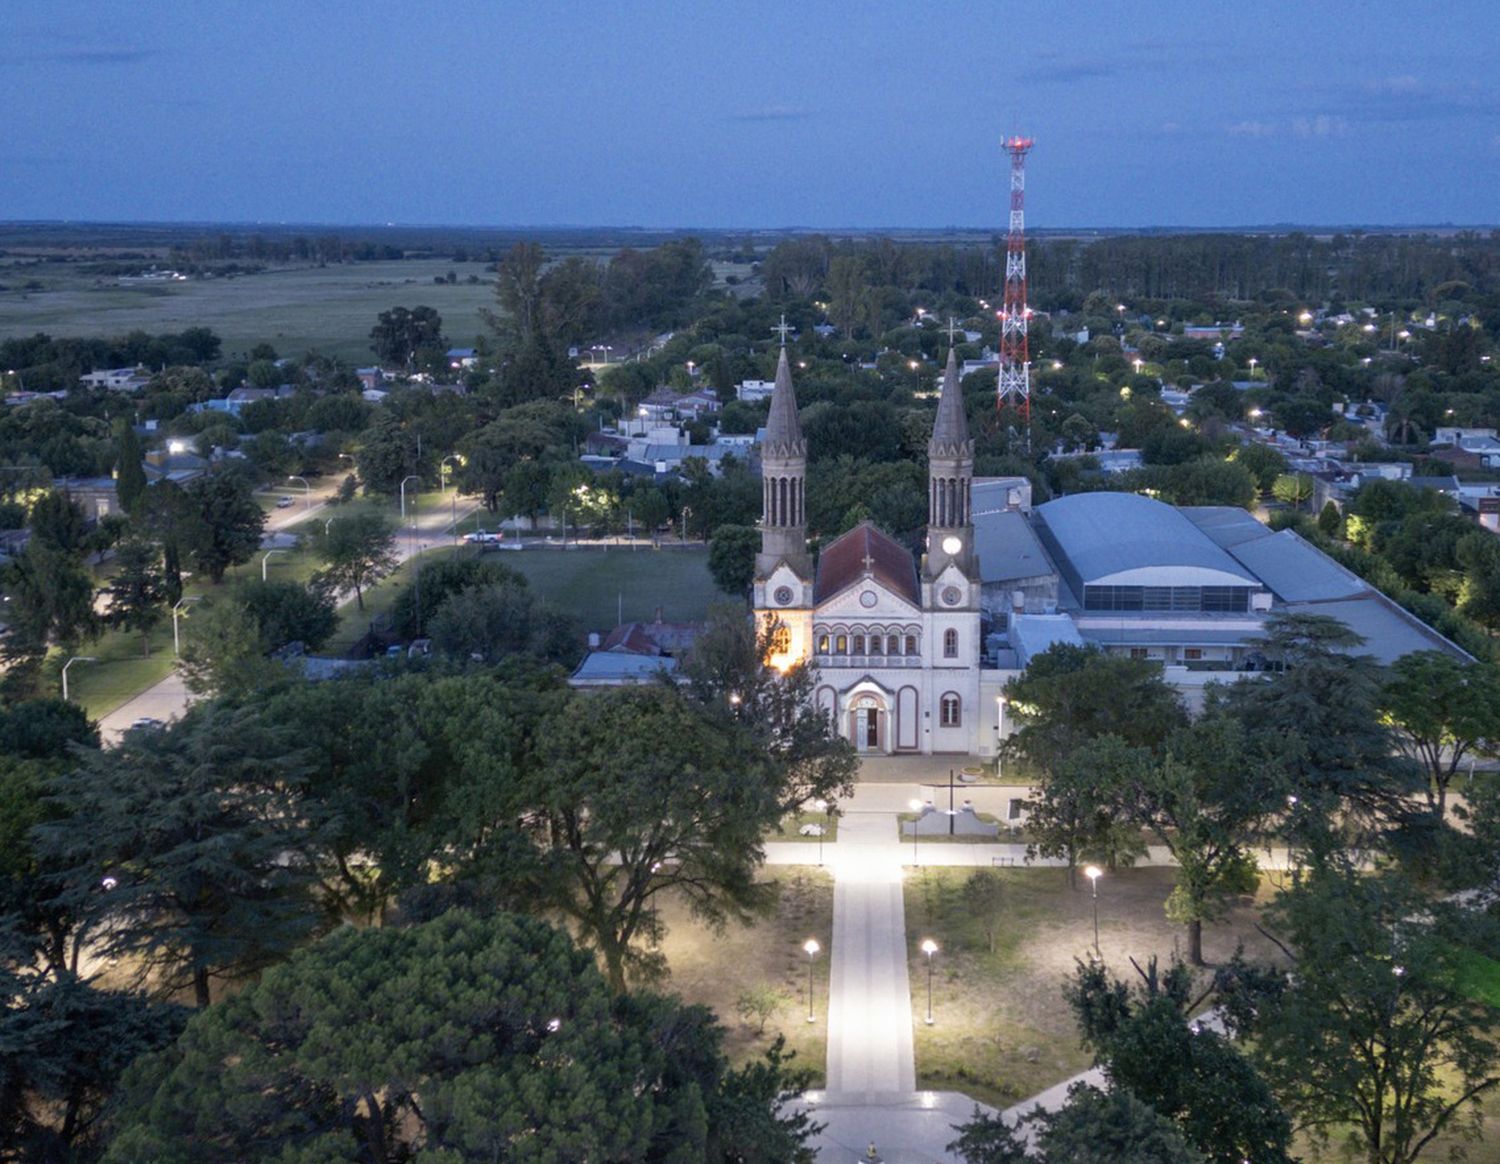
<point x="896" y="638"/>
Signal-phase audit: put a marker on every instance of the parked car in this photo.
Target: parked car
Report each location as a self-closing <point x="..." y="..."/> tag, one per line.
<point x="148" y="722"/>
<point x="482" y="537"/>
<point x="283" y="503"/>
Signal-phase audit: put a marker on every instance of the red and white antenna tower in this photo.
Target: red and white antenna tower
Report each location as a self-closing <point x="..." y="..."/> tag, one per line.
<point x="1015" y="360"/>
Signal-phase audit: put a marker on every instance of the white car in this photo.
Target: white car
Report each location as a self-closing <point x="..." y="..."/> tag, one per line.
<point x="483" y="537"/>
<point x="283" y="503"/>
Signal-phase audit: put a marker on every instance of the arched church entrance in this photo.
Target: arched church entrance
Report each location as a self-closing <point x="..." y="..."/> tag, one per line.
<point x="869" y="723"/>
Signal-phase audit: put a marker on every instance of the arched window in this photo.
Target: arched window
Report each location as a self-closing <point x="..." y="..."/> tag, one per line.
<point x="892" y="644"/>
<point x="874" y="644"/>
<point x="950" y="710"/>
<point x="822" y="644"/>
<point x="911" y="644"/>
<point x="950" y="644"/>
<point x="859" y="645"/>
<point x="841" y="645"/>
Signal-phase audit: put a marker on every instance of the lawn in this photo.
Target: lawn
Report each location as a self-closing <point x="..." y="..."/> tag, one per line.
<point x="1002" y="1030"/>
<point x="121" y="672"/>
<point x="600" y="587"/>
<point x="717" y="969"/>
<point x="294" y="308"/>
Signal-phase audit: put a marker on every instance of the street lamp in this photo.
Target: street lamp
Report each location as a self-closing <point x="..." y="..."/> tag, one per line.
<point x="69" y="663"/>
<point x="812" y="947"/>
<point x="176" y="609"/>
<point x="442" y="481"/>
<point x="265" y="561"/>
<point x="929" y="947"/>
<point x="1253" y="362"/>
<point x="1093" y="872"/>
<point x="916" y="825"/>
<point x="822" y="806"/>
<point x="404" y="480"/>
<point x="1000" y="744"/>
<point x="306" y="489"/>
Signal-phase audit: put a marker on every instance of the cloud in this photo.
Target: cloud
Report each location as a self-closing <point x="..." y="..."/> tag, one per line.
<point x="772" y="113"/>
<point x="1252" y="129"/>
<point x="1320" y="125"/>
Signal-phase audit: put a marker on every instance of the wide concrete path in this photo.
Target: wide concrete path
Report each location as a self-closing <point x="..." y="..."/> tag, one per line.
<point x="869" y="1005"/>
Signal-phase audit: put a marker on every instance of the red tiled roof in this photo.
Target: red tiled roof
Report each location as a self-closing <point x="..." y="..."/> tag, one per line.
<point x="865" y="550"/>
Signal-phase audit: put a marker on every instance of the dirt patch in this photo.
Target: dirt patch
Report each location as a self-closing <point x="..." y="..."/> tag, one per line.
<point x="1002" y="1031"/>
<point x="718" y="969"/>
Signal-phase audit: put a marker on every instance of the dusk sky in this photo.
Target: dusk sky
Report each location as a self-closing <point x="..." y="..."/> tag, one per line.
<point x="729" y="114"/>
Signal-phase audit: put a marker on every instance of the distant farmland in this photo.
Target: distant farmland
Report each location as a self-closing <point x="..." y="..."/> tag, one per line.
<point x="295" y="309"/>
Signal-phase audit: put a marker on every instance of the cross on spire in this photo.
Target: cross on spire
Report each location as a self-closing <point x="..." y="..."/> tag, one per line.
<point x="869" y="563"/>
<point x="952" y="330"/>
<point x="783" y="327"/>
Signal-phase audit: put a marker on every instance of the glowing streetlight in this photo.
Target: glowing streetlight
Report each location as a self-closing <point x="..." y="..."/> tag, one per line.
<point x="1253" y="362"/>
<point x="811" y="947"/>
<point x="1093" y="873"/>
<point x="306" y="489"/>
<point x="443" y="477"/>
<point x="824" y="807"/>
<point x="916" y="807"/>
<point x="929" y="947"/>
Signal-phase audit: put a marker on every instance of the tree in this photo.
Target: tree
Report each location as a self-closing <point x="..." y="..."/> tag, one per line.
<point x="358" y="550"/>
<point x="1082" y="807"/>
<point x="1330" y="520"/>
<point x="731" y="558"/>
<point x="223" y="651"/>
<point x="1151" y="1048"/>
<point x="400" y="333"/>
<point x="984" y="897"/>
<point x="228" y="523"/>
<point x="1442" y="710"/>
<point x="394" y="1044"/>
<point x="288" y="612"/>
<point x="58" y="523"/>
<point x="1206" y="801"/>
<point x="489" y="623"/>
<point x="518" y="290"/>
<point x="1292" y="489"/>
<point x="1071" y="694"/>
<point x="186" y="851"/>
<point x="137" y="592"/>
<point x="130" y="482"/>
<point x="441" y="580"/>
<point x="1479" y="593"/>
<point x="1093" y="1127"/>
<point x="640" y="791"/>
<point x="169" y="516"/>
<point x="1372" y="1029"/>
<point x="728" y="670"/>
<point x="52" y="600"/>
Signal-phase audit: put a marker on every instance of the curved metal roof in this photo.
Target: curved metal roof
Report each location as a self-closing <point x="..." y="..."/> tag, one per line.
<point x="1107" y="537"/>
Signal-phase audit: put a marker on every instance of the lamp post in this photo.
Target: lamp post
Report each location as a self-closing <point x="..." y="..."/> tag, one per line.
<point x="404" y="480"/>
<point x="916" y="856"/>
<point x="442" y="481"/>
<point x="822" y="806"/>
<point x="929" y="947"/>
<point x="265" y="561"/>
<point x="306" y="489"/>
<point x="176" y="610"/>
<point x="812" y="947"/>
<point x="1000" y="743"/>
<point x="69" y="663"/>
<point x="1093" y="872"/>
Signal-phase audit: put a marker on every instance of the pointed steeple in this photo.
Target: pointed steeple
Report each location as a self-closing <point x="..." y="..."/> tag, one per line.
<point x="950" y="432"/>
<point x="783" y="430"/>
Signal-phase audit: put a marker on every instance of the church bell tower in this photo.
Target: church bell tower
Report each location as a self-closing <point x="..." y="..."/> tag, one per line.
<point x="950" y="481"/>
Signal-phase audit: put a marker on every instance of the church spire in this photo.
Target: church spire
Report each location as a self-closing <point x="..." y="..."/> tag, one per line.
<point x="783" y="470"/>
<point x="950" y="433"/>
<point x="783" y="430"/>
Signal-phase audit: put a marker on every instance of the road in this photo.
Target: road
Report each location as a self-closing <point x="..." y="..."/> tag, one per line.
<point x="169" y="698"/>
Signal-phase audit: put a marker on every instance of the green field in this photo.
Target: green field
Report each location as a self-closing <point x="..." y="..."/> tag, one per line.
<point x="599" y="587"/>
<point x="295" y="308"/>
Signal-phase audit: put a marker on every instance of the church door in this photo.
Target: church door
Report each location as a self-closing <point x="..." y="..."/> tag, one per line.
<point x="868" y="725"/>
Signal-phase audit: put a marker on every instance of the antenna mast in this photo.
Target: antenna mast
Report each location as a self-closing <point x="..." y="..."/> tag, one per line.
<point x="1015" y="360"/>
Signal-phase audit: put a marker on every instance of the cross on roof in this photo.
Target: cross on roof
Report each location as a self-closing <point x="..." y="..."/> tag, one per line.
<point x="952" y="330"/>
<point x="869" y="562"/>
<point x="783" y="327"/>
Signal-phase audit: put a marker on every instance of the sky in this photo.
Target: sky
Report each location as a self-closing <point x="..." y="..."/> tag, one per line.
<point x="721" y="114"/>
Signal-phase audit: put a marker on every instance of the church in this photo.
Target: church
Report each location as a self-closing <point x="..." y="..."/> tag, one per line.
<point x="896" y="641"/>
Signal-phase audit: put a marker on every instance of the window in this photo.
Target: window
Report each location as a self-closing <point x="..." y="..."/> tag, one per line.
<point x="1192" y="652"/>
<point x="892" y="644"/>
<point x="859" y="645"/>
<point x="841" y="645"/>
<point x="950" y="644"/>
<point x="822" y="644"/>
<point x="911" y="644"/>
<point x="1139" y="653"/>
<point x="950" y="711"/>
<point x="874" y="644"/>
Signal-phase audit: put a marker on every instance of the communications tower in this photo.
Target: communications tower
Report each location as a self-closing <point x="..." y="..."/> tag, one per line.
<point x="1015" y="360"/>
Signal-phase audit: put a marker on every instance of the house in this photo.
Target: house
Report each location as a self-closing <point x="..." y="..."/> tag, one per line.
<point x="462" y="358"/>
<point x="754" y="391"/>
<point x="117" y="379"/>
<point x="635" y="652"/>
<point x="370" y="377"/>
